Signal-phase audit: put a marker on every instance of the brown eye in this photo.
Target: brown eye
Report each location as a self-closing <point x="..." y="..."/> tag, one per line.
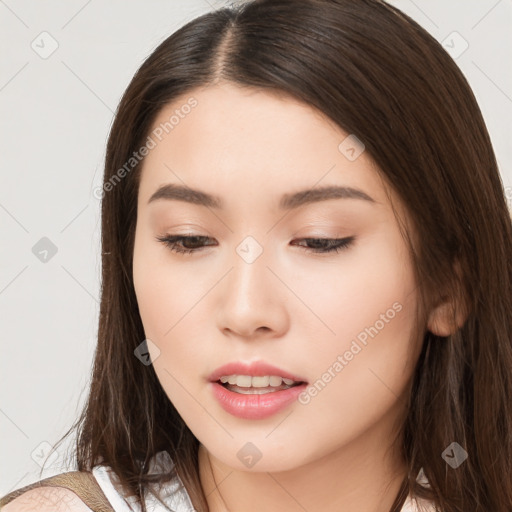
<point x="325" y="245"/>
<point x="184" y="244"/>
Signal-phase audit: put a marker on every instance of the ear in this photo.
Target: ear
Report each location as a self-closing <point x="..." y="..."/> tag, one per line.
<point x="441" y="320"/>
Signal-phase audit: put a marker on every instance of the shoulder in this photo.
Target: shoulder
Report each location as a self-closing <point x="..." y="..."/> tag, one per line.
<point x="47" y="499"/>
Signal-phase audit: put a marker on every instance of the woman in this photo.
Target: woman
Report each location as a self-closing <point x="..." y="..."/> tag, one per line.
<point x="306" y="274"/>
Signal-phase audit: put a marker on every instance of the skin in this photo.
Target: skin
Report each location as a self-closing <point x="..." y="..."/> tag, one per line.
<point x="292" y="308"/>
<point x="47" y="499"/>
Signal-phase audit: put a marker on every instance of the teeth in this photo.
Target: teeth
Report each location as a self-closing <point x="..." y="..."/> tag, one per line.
<point x="246" y="381"/>
<point x="258" y="382"/>
<point x="275" y="381"/>
<point x="243" y="381"/>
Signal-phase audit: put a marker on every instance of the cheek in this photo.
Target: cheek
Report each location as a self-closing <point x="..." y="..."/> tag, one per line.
<point x="164" y="293"/>
<point x="174" y="354"/>
<point x="348" y="292"/>
<point x="167" y="299"/>
<point x="367" y="305"/>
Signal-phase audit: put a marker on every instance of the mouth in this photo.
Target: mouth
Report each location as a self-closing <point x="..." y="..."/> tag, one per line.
<point x="256" y="390"/>
<point x="257" y="385"/>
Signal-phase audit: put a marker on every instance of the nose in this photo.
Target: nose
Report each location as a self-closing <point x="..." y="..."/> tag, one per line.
<point x="252" y="301"/>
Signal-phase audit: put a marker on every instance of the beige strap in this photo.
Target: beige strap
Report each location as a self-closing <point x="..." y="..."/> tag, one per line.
<point x="82" y="483"/>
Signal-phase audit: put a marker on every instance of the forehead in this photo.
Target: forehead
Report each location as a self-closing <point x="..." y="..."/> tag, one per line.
<point x="247" y="141"/>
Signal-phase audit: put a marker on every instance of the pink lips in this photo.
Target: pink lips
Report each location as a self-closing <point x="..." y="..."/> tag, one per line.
<point x="253" y="406"/>
<point x="256" y="369"/>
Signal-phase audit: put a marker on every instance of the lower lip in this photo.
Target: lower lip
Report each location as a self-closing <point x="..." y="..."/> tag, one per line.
<point x="255" y="407"/>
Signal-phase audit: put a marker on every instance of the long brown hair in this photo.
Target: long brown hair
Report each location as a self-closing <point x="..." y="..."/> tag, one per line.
<point x="377" y="74"/>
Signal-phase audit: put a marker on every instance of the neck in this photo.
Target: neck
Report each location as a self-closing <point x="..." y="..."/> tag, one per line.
<point x="366" y="474"/>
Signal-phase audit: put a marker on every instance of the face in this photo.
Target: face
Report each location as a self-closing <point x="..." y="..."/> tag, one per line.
<point x="319" y="287"/>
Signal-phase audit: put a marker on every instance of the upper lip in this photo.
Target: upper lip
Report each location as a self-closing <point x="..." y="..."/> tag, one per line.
<point x="255" y="369"/>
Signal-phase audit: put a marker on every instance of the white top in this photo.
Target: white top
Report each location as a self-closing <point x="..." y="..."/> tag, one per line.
<point x="176" y="498"/>
<point x="173" y="494"/>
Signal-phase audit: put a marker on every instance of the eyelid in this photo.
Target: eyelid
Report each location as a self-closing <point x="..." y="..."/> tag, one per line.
<point x="331" y="245"/>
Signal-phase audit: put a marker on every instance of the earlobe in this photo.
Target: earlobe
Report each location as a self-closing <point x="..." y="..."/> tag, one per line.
<point x="450" y="314"/>
<point x="440" y="320"/>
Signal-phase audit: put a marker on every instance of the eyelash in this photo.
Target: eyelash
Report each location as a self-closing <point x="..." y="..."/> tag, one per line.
<point x="333" y="244"/>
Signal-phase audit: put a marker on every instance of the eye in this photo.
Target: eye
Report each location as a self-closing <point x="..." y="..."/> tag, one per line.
<point x="188" y="244"/>
<point x="325" y="245"/>
<point x="184" y="244"/>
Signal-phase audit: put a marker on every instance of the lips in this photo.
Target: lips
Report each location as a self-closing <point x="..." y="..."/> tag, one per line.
<point x="255" y="369"/>
<point x="252" y="405"/>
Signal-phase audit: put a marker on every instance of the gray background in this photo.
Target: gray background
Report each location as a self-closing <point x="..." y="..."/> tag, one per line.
<point x="56" y="114"/>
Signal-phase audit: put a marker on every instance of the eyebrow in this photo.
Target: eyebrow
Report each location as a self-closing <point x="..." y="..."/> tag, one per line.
<point x="172" y="191"/>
